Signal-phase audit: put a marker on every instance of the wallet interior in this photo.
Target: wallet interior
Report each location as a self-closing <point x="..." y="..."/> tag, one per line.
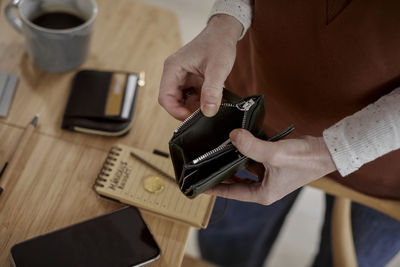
<point x="209" y="133"/>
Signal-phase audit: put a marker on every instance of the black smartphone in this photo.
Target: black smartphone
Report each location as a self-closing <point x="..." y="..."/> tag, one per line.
<point x="118" y="239"/>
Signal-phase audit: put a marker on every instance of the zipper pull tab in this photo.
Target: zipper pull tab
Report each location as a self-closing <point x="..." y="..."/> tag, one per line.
<point x="246" y="105"/>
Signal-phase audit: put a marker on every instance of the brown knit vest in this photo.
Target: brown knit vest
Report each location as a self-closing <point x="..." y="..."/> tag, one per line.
<point x="319" y="61"/>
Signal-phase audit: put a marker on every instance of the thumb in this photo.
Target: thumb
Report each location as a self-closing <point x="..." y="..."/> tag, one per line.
<point x="211" y="91"/>
<point x="249" y="145"/>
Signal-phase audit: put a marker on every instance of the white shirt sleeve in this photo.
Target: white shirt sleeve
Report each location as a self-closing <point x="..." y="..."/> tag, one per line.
<point x="242" y="10"/>
<point x="366" y="135"/>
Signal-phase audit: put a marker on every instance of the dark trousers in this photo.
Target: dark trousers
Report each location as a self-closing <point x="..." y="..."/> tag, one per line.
<point x="245" y="234"/>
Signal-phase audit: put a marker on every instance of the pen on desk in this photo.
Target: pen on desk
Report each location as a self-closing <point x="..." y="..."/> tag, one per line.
<point x="152" y="166"/>
<point x="1" y="174"/>
<point x="161" y="153"/>
<point x="23" y="141"/>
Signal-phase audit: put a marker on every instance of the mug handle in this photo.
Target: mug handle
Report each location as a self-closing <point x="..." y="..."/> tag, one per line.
<point x="12" y="17"/>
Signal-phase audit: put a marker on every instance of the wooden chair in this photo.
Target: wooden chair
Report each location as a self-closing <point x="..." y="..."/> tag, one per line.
<point x="343" y="251"/>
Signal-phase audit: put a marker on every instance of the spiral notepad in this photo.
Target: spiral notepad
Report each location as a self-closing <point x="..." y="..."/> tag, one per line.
<point x="121" y="179"/>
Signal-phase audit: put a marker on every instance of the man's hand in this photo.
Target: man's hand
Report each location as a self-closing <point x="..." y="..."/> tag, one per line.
<point x="289" y="164"/>
<point x="202" y="64"/>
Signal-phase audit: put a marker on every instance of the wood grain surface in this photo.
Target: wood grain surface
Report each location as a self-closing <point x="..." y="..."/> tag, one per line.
<point x="50" y="186"/>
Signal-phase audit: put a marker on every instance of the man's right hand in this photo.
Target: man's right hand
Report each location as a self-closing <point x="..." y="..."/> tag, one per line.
<point x="203" y="64"/>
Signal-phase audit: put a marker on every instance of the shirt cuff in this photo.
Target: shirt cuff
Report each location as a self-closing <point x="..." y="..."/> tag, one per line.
<point x="241" y="10"/>
<point x="366" y="135"/>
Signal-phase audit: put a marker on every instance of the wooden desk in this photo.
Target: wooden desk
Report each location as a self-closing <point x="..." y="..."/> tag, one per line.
<point x="128" y="35"/>
<point x="50" y="186"/>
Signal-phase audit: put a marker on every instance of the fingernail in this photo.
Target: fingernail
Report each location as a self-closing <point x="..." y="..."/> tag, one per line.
<point x="235" y="135"/>
<point x="209" y="110"/>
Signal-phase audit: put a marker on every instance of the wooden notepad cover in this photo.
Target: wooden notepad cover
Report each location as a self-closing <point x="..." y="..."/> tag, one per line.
<point x="121" y="179"/>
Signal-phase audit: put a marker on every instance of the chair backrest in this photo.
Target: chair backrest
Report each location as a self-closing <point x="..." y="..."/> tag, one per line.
<point x="343" y="251"/>
<point x="387" y="206"/>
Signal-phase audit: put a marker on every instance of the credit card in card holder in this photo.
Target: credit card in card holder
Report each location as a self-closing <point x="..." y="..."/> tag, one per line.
<point x="130" y="92"/>
<point x="120" y="95"/>
<point x="116" y="94"/>
<point x="8" y="83"/>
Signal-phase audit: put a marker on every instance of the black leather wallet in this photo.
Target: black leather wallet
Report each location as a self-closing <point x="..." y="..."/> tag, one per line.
<point x="201" y="151"/>
<point x="102" y="102"/>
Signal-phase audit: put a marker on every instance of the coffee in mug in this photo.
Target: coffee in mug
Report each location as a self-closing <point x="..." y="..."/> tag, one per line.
<point x="58" y="20"/>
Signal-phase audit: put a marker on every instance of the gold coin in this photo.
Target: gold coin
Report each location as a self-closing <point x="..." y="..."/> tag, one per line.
<point x="153" y="184"/>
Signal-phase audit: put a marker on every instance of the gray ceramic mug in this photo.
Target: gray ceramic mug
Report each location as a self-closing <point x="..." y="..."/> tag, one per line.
<point x="54" y="50"/>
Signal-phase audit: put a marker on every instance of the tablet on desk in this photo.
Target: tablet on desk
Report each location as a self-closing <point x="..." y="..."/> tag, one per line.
<point x="117" y="239"/>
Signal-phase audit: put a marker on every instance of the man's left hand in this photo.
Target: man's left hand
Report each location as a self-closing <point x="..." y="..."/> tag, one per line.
<point x="289" y="164"/>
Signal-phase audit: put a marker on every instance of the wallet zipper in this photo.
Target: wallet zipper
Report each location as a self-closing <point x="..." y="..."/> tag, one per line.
<point x="223" y="146"/>
<point x="243" y="106"/>
<point x="187" y="120"/>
